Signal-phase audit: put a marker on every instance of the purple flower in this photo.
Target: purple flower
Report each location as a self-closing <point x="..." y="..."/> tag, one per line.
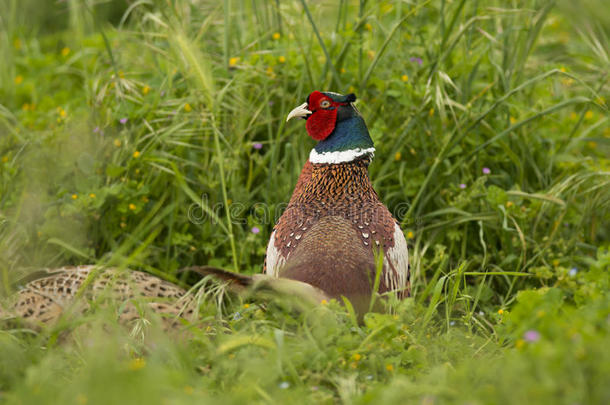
<point x="123" y="121"/>
<point x="573" y="271"/>
<point x="486" y="170"/>
<point x="531" y="336"/>
<point x="96" y="130"/>
<point x="257" y="145"/>
<point x="416" y="59"/>
<point x="462" y="186"/>
<point x="271" y="102"/>
<point x="255" y="230"/>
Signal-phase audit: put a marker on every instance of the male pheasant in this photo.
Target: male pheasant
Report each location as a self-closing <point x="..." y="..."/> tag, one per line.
<point x="334" y="222"/>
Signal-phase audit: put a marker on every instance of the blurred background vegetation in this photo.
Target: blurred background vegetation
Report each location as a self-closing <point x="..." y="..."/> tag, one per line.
<point x="128" y="127"/>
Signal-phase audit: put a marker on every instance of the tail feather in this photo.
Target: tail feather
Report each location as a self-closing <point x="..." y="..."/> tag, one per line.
<point x="241" y="280"/>
<point x="261" y="283"/>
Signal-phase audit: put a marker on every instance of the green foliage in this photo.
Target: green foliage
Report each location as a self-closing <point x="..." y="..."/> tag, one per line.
<point x="128" y="134"/>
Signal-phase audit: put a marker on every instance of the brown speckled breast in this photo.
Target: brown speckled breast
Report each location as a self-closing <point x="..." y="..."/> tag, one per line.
<point x="332" y="224"/>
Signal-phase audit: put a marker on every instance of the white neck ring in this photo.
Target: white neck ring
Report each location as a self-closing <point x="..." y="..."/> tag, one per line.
<point x="340" y="156"/>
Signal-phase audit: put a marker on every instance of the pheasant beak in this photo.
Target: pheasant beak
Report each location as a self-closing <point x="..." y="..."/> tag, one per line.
<point x="300" y="112"/>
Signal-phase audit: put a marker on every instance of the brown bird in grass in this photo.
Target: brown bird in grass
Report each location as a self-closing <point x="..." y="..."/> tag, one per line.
<point x="52" y="293"/>
<point x="47" y="295"/>
<point x="335" y="224"/>
<point x="324" y="245"/>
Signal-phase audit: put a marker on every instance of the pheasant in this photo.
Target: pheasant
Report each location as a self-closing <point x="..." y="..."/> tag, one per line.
<point x="334" y="223"/>
<point x="51" y="293"/>
<point x="323" y="246"/>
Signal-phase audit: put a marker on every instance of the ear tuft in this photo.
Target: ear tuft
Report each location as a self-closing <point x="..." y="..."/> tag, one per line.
<point x="350" y="98"/>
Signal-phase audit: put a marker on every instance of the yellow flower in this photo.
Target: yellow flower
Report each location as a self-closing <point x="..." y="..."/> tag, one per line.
<point x="562" y="69"/>
<point x="519" y="343"/>
<point x="233" y="61"/>
<point x="371" y="54"/>
<point x="62" y="113"/>
<point x="412" y="151"/>
<point x="276" y="35"/>
<point x="188" y="108"/>
<point x="513" y="120"/>
<point x="389" y="367"/>
<point x="281" y="59"/>
<point x="92" y="195"/>
<point x="132" y="206"/>
<point x="117" y="142"/>
<point x="589" y="115"/>
<point x="556" y="262"/>
<point x="136" y="154"/>
<point x="121" y="74"/>
<point x="145" y="199"/>
<point x="74" y="196"/>
<point x="368" y="27"/>
<point x="410" y="235"/>
<point x="356" y="357"/>
<point x="17" y="43"/>
<point x="404" y="78"/>
<point x="4" y="159"/>
<point x="145" y="90"/>
<point x="65" y="51"/>
<point x="509" y="204"/>
<point x="246" y="306"/>
<point x="18" y="79"/>
<point x="323" y="302"/>
<point x="573" y="116"/>
<point x="500" y="311"/>
<point x="592" y="144"/>
<point x="269" y="72"/>
<point x="137" y="364"/>
<point x="123" y="224"/>
<point x="397" y="156"/>
<point x="351" y="89"/>
<point x="25" y="107"/>
<point x="431" y="112"/>
<point x="343" y="70"/>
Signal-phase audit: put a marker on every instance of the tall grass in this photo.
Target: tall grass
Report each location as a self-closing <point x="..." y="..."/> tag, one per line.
<point x="128" y="136"/>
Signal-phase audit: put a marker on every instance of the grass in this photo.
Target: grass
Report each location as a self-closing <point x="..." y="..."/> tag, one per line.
<point x="128" y="134"/>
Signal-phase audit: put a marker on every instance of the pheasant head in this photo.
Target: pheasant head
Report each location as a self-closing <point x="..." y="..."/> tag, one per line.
<point x="336" y="124"/>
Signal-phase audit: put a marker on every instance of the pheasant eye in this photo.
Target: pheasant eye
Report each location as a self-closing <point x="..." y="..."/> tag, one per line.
<point x="324" y="103"/>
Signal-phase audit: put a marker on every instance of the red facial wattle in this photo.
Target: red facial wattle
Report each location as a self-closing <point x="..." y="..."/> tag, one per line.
<point x="321" y="123"/>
